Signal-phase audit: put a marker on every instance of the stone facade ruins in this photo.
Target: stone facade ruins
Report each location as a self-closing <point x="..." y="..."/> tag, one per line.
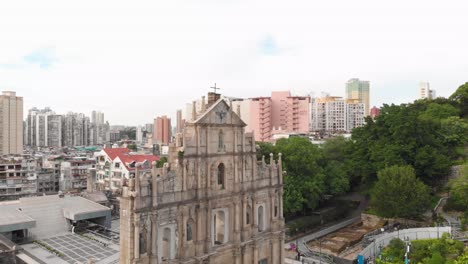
<point x="211" y="203"/>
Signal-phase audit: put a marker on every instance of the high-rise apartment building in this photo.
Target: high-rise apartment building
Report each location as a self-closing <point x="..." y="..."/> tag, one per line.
<point x="76" y="130"/>
<point x="162" y="130"/>
<point x="359" y="90"/>
<point x="280" y="112"/>
<point x="99" y="129"/>
<point x="425" y="91"/>
<point x="11" y="123"/>
<point x="334" y="114"/>
<point x="43" y="128"/>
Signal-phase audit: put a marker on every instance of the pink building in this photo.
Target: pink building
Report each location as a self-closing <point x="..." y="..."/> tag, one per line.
<point x="280" y="113"/>
<point x="374" y="112"/>
<point x="162" y="130"/>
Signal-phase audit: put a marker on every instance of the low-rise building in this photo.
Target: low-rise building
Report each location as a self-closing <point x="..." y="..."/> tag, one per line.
<point x="48" y="181"/>
<point x="114" y="165"/>
<point x="18" y="177"/>
<point x="74" y="173"/>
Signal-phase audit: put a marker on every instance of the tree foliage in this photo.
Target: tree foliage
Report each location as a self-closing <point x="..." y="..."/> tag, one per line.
<point x="311" y="172"/>
<point x="427" y="251"/>
<point x="132" y="147"/>
<point x="160" y="162"/>
<point x="459" y="191"/>
<point x="398" y="193"/>
<point x="461" y="98"/>
<point x="424" y="134"/>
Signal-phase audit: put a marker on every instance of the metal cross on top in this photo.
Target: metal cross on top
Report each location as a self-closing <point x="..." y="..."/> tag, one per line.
<point x="215" y="88"/>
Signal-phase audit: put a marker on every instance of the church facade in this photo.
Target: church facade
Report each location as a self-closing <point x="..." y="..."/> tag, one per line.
<point x="211" y="203"/>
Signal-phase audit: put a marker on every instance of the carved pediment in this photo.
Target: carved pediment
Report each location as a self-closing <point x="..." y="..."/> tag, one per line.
<point x="220" y="113"/>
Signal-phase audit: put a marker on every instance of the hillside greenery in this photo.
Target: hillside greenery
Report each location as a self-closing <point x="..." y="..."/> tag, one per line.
<point x="425" y="137"/>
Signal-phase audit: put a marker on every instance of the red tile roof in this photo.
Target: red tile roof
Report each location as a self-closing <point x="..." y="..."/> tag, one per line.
<point x="116" y="152"/>
<point x="127" y="158"/>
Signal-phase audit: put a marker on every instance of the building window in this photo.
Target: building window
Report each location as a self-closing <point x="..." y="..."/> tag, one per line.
<point x="263" y="261"/>
<point x="189" y="230"/>
<point x="219" y="228"/>
<point x="247" y="215"/>
<point x="276" y="206"/>
<point x="142" y="242"/>
<point x="221" y="141"/>
<point x="221" y="176"/>
<point x="261" y="224"/>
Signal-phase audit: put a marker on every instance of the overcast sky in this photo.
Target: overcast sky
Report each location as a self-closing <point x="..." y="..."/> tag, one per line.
<point x="135" y="60"/>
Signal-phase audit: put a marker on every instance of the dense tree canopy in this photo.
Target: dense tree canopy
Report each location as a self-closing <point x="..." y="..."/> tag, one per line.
<point x="425" y="135"/>
<point x="422" y="139"/>
<point x="311" y="172"/>
<point x="398" y="193"/>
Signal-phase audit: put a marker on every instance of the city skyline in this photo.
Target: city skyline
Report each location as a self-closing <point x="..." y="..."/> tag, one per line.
<point x="155" y="58"/>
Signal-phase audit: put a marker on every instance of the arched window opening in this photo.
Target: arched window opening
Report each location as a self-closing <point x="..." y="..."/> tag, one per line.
<point x="221" y="176"/>
<point x="166" y="244"/>
<point x="219" y="228"/>
<point x="276" y="207"/>
<point x="247" y="215"/>
<point x="261" y="224"/>
<point x="221" y="141"/>
<point x="189" y="230"/>
<point x="142" y="242"/>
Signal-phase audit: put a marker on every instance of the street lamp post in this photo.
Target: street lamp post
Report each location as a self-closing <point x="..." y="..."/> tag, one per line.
<point x="408" y="246"/>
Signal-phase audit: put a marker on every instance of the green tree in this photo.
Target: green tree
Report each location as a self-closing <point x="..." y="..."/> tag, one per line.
<point x="398" y="193"/>
<point x="334" y="153"/>
<point x="460" y="96"/>
<point x="305" y="181"/>
<point x="132" y="147"/>
<point x="407" y="134"/>
<point x="161" y="162"/>
<point x="459" y="190"/>
<point x="264" y="149"/>
<point x="395" y="250"/>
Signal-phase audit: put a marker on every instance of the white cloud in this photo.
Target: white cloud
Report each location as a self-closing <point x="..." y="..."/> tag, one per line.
<point x="136" y="60"/>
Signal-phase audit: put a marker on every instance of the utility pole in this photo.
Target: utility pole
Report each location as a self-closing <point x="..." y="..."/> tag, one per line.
<point x="408" y="246"/>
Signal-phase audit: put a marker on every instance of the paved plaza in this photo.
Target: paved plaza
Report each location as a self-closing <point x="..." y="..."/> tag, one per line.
<point x="77" y="249"/>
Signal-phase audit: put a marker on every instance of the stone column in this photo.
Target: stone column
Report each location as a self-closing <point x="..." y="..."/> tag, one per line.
<point x="255" y="254"/>
<point x="209" y="229"/>
<point x="136" y="238"/>
<point x="281" y="249"/>
<point x="272" y="206"/>
<point x="237" y="221"/>
<point x="254" y="216"/>
<point x="183" y="232"/>
<point x="154" y="237"/>
<point x="198" y="234"/>
<point x="237" y="256"/>
<point x="280" y="199"/>
<point x="184" y="175"/>
<point x="245" y="256"/>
